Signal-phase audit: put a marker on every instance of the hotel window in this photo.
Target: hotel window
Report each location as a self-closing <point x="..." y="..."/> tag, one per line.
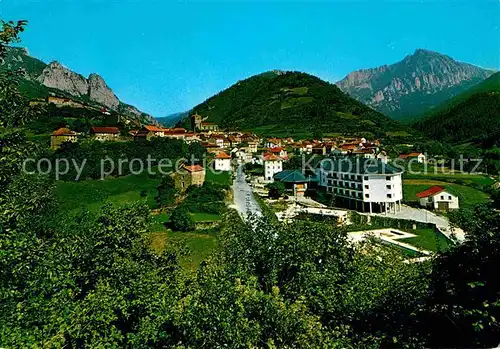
<point x="449" y="197"/>
<point x="442" y="197"/>
<point x="366" y="178"/>
<point x="389" y="196"/>
<point x="388" y="186"/>
<point x="388" y="178"/>
<point x="352" y="177"/>
<point x="358" y="178"/>
<point x="367" y="187"/>
<point x="367" y="196"/>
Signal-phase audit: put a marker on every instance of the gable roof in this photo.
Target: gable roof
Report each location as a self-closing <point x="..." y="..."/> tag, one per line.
<point x="411" y="155"/>
<point x="102" y="129"/>
<point x="193" y="168"/>
<point x="430" y="192"/>
<point x="271" y="157"/>
<point x="63" y="131"/>
<point x="222" y="155"/>
<point x="153" y="128"/>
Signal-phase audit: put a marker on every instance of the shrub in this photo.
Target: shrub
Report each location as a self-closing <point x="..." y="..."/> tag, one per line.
<point x="181" y="220"/>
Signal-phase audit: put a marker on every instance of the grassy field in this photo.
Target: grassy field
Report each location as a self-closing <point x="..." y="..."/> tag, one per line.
<point x="468" y="196"/>
<point x="199" y="243"/>
<point x="92" y="194"/>
<point x="445" y="175"/>
<point x="428" y="239"/>
<point x="224" y="178"/>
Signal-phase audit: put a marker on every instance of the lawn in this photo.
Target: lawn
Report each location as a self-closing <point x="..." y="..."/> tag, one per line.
<point x="224" y="178"/>
<point x="199" y="245"/>
<point x="445" y="175"/>
<point x="428" y="239"/>
<point x="205" y="217"/>
<point x="93" y="194"/>
<point x="468" y="196"/>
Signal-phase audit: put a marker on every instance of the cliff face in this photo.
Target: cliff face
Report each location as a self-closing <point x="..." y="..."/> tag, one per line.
<point x="414" y="85"/>
<point x="56" y="76"/>
<point x="100" y="92"/>
<point x="39" y="76"/>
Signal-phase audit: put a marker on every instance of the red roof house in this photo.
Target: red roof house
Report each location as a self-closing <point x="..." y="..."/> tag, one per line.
<point x="430" y="192"/>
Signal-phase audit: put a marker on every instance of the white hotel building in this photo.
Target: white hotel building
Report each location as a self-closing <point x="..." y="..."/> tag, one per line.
<point x="367" y="185"/>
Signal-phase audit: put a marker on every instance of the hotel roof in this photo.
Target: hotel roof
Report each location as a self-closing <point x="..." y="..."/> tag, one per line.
<point x="359" y="166"/>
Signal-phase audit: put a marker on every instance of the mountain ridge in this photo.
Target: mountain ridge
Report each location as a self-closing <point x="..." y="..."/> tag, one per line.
<point x="412" y="86"/>
<point x="473" y="116"/>
<point x="289" y="101"/>
<point x="42" y="80"/>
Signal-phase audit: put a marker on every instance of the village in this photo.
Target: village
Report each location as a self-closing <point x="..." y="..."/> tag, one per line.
<point x="344" y="176"/>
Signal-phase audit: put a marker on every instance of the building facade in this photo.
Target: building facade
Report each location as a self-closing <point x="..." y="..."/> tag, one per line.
<point x="189" y="175"/>
<point x="222" y="162"/>
<point x="272" y="165"/>
<point x="367" y="185"/>
<point x="61" y="136"/>
<point x="105" y="133"/>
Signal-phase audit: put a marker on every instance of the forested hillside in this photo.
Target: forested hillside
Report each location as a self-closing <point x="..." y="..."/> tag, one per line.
<point x="292" y="101"/>
<point x="473" y="116"/>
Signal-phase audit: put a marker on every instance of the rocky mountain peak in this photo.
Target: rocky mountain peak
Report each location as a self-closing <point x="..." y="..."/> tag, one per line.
<point x="55" y="75"/>
<point x="100" y="92"/>
<point x="412" y="86"/>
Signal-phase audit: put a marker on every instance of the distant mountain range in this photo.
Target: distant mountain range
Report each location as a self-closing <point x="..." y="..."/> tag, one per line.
<point x="471" y="117"/>
<point x="413" y="86"/>
<point x="172" y="119"/>
<point x="289" y="103"/>
<point x="42" y="80"/>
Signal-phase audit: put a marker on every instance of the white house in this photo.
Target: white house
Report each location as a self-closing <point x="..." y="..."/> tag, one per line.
<point x="367" y="185"/>
<point x="272" y="165"/>
<point x="222" y="162"/>
<point x="438" y="198"/>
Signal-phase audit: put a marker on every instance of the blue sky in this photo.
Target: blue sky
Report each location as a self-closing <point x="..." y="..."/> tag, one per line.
<point x="165" y="56"/>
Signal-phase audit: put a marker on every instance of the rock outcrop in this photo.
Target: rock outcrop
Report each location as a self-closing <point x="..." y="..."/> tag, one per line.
<point x="414" y="85"/>
<point x="99" y="92"/>
<point x="59" y="77"/>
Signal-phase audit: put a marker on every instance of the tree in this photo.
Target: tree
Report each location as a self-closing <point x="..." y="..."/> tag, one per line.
<point x="276" y="189"/>
<point x="463" y="306"/>
<point x="166" y="192"/>
<point x="181" y="220"/>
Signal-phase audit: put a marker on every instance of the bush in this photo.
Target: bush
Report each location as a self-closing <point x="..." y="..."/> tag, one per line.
<point x="181" y="220"/>
<point x="276" y="189"/>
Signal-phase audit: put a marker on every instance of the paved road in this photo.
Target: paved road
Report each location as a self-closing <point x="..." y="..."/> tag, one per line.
<point x="244" y="201"/>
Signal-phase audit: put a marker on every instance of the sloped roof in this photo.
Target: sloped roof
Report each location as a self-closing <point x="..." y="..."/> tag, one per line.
<point x="193" y="168"/>
<point x="290" y="176"/>
<point x="411" y="155"/>
<point x="100" y="129"/>
<point x="271" y="157"/>
<point x="222" y="155"/>
<point x="63" y="131"/>
<point x="430" y="192"/>
<point x="153" y="128"/>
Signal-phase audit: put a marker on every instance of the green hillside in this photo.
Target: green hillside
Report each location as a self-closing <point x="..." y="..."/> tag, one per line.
<point x="290" y="102"/>
<point x="471" y="117"/>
